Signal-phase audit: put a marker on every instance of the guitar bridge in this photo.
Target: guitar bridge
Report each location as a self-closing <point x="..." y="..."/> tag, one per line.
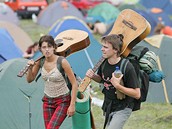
<point x="129" y="24"/>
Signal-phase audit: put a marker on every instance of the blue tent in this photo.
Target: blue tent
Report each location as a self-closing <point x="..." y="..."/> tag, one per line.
<point x="57" y="10"/>
<point x="165" y="18"/>
<point x="149" y="18"/>
<point x="83" y="60"/>
<point x="8" y="48"/>
<point x="165" y="5"/>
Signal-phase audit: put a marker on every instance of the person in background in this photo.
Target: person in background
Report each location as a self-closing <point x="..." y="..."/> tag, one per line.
<point x="57" y="100"/>
<point x="99" y="28"/>
<point x="116" y="110"/>
<point x="167" y="30"/>
<point x="30" y="52"/>
<point x="162" y="29"/>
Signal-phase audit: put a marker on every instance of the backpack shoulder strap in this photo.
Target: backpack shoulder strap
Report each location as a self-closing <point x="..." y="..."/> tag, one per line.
<point x="59" y="65"/>
<point x="60" y="68"/>
<point x="103" y="64"/>
<point x="123" y="66"/>
<point x="41" y="65"/>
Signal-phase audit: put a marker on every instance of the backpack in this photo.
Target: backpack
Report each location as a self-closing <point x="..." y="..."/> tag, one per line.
<point x="145" y="65"/>
<point x="143" y="81"/>
<point x="60" y="68"/>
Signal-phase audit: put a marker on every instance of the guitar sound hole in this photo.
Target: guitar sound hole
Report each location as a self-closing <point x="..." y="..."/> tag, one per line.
<point x="59" y="44"/>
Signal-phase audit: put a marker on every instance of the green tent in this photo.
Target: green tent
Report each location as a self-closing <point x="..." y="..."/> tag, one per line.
<point x="103" y="12"/>
<point x="20" y="102"/>
<point x="161" y="45"/>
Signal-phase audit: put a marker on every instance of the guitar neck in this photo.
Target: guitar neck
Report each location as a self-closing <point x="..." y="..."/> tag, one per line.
<point x="98" y="64"/>
<point x="86" y="81"/>
<point x="25" y="69"/>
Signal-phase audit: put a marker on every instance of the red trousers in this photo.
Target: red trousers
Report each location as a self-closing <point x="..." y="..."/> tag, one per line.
<point x="55" y="110"/>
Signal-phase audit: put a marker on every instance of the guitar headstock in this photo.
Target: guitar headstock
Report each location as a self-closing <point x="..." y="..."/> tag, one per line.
<point x="23" y="71"/>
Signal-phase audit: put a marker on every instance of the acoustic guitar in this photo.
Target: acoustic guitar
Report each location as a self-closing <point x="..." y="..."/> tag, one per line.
<point x="68" y="42"/>
<point x="133" y="27"/>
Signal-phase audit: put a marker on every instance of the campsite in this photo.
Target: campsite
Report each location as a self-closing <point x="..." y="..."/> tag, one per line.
<point x="18" y="98"/>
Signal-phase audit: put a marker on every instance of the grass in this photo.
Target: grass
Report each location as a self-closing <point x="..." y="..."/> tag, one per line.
<point x="151" y="115"/>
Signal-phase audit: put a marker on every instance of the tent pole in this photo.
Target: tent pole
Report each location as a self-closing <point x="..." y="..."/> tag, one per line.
<point x="30" y="114"/>
<point x="163" y="81"/>
<point x="88" y="57"/>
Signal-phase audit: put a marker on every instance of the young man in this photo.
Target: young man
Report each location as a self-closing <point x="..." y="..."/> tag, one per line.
<point x="116" y="110"/>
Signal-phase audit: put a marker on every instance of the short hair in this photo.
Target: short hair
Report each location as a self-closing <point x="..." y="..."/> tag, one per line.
<point x="115" y="40"/>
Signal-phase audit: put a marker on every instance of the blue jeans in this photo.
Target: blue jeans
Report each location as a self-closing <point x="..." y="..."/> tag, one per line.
<point x="117" y="119"/>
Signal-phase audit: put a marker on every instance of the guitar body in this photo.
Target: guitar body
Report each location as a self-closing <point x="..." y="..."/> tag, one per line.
<point x="71" y="41"/>
<point x="133" y="27"/>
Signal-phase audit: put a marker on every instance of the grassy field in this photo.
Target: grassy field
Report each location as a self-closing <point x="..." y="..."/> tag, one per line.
<point x="151" y="116"/>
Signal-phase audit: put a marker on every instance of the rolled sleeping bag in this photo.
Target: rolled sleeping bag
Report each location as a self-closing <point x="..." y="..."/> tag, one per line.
<point x="81" y="119"/>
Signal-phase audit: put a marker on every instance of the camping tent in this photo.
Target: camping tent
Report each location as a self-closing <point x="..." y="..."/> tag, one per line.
<point x="57" y="10"/>
<point x="7" y="14"/>
<point x="131" y="6"/>
<point x="21" y="105"/>
<point x="20" y="37"/>
<point x="100" y="11"/>
<point x="165" y="18"/>
<point x="8" y="48"/>
<point x="18" y="98"/>
<point x="149" y="18"/>
<point x="83" y="60"/>
<point x="161" y="45"/>
<point x="165" y="5"/>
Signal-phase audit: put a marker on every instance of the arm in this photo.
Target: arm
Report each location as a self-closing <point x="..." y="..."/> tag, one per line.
<point x="68" y="70"/>
<point x="26" y="55"/>
<point x="132" y="92"/>
<point x="33" y="70"/>
<point x="93" y="76"/>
